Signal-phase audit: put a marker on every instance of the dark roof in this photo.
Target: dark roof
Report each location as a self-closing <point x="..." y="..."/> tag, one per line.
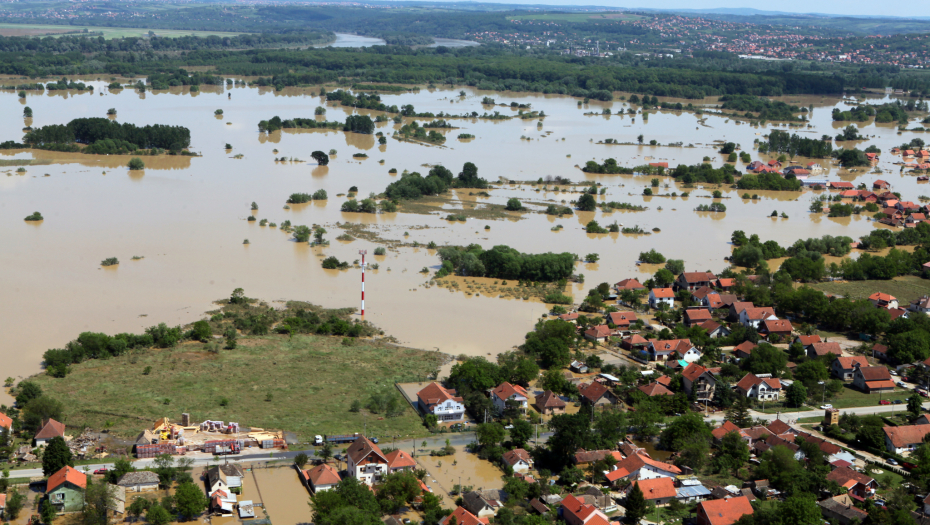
<point x="137" y="477"/>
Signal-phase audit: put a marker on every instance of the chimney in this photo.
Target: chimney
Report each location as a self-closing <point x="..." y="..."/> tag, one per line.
<point x="185" y="420"/>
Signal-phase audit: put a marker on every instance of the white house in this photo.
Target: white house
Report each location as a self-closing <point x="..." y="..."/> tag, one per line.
<point x="753" y="317"/>
<point x="883" y="300"/>
<point x="441" y="402"/>
<point x="224" y="477"/>
<point x="321" y="477"/>
<point x="366" y="461"/>
<point x="641" y="466"/>
<point x="519" y="460"/>
<point x="904" y="438"/>
<point x="921" y="305"/>
<point x="660" y="296"/>
<point x="761" y="387"/>
<point x="673" y="348"/>
<point x="50" y="430"/>
<point x="504" y="392"/>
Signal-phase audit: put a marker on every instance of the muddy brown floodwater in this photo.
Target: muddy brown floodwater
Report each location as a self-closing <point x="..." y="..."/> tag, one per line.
<point x="284" y="497"/>
<point x="187" y="216"/>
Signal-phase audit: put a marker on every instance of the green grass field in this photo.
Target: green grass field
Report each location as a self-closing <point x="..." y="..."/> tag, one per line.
<point x="304" y="384"/>
<point x="850" y="397"/>
<point x="905" y="289"/>
<point x="108" y="32"/>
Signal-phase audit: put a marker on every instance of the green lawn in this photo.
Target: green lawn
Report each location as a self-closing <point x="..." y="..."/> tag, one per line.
<point x="108" y="32"/>
<point x="905" y="289"/>
<point x="303" y="384"/>
<point x="850" y="397"/>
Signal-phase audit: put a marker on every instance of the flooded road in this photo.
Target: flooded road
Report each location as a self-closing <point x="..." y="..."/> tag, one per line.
<point x="187" y="216"/>
<point x="284" y="497"/>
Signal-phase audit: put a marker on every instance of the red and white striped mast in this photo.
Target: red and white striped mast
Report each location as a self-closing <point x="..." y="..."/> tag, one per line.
<point x="363" y="253"/>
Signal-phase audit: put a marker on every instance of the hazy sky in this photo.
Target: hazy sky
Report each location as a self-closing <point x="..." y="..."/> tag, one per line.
<point x="850" y="7"/>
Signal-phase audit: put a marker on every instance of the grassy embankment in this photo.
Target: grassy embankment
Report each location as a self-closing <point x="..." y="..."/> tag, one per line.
<point x="905" y="289"/>
<point x="311" y="380"/>
<point x="108" y="32"/>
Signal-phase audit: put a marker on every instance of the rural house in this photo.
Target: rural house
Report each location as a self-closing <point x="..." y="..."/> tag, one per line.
<point x="660" y="296"/>
<point x="48" y="431"/>
<point x="640" y="466"/>
<point x="844" y="367"/>
<point x="399" y="461"/>
<point x="321" y="477"/>
<point x="857" y="483"/>
<point x="658" y="491"/>
<point x="883" y="300"/>
<point x="548" y="403"/>
<point x="441" y="402"/>
<point x="463" y="517"/>
<point x="518" y="459"/>
<point x="65" y="490"/>
<point x="753" y="317"/>
<point x="743" y="350"/>
<point x="366" y="461"/>
<point x="714" y="329"/>
<point x="760" y="388"/>
<point x="904" y="438"/>
<point x="225" y="477"/>
<point x="871" y="379"/>
<point x="596" y="394"/>
<point x="482" y="503"/>
<point x="694" y="280"/>
<point x="677" y="348"/>
<point x="822" y="349"/>
<point x="840" y="510"/>
<point x="695" y="316"/>
<point x="575" y="512"/>
<point x="776" y="327"/>
<point x="621" y="320"/>
<point x="655" y="389"/>
<point x="629" y="284"/>
<point x="700" y="381"/>
<point x="599" y="333"/>
<point x="726" y="511"/>
<point x="507" y="392"/>
<point x="5" y="421"/>
<point x="138" y="481"/>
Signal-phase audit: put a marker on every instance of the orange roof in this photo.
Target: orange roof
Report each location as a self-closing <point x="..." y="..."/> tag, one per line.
<point x="463" y="517"/>
<point x="848" y="363"/>
<point x="5" y="421"/>
<point x="777" y="325"/>
<point x="68" y="474"/>
<point x="593" y="391"/>
<point x="512" y="457"/>
<point x="434" y="394"/>
<point x="725" y="429"/>
<point x="809" y="339"/>
<point x="693" y="371"/>
<point x="724" y="511"/>
<point x="663" y="293"/>
<point x="879" y="296"/>
<point x="322" y="475"/>
<point x="621" y="318"/>
<point x="760" y="313"/>
<point x="400" y="459"/>
<point x="579" y="509"/>
<point x="598" y="331"/>
<point x="744" y="347"/>
<point x="629" y="284"/>
<point x="906" y="435"/>
<point x="505" y="391"/>
<point x="51" y="429"/>
<point x="697" y="277"/>
<point x="657" y="488"/>
<point x="655" y="389"/>
<point x="637" y="461"/>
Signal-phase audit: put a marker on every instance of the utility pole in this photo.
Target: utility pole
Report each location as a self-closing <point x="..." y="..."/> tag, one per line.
<point x="363" y="253"/>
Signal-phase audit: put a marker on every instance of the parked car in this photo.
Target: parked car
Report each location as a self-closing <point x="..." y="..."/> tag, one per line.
<point x="826" y="406"/>
<point x="884" y="402"/>
<point x="901" y="384"/>
<point x="892" y="462"/>
<point x="898" y="401"/>
<point x="894" y="373"/>
<point x="101" y="470"/>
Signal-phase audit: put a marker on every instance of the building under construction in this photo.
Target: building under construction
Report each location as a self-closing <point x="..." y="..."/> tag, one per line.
<point x="209" y="436"/>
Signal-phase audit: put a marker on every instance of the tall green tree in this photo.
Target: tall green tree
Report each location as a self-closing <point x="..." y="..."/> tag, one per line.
<point x="636" y="505"/>
<point x="56" y="456"/>
<point x="731" y="454"/>
<point x="158" y="515"/>
<point x="99" y="498"/>
<point x="190" y="500"/>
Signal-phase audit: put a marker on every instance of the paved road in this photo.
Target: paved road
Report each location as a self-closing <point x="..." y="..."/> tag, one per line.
<point x="456" y="439"/>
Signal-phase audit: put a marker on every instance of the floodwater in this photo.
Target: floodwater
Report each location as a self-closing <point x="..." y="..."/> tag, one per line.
<point x="462" y="468"/>
<point x="350" y="40"/>
<point x="285" y="498"/>
<point x="187" y="216"/>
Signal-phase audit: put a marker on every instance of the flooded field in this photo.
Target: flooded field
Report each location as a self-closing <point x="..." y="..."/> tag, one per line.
<point x="187" y="216"/>
<point x="284" y="497"/>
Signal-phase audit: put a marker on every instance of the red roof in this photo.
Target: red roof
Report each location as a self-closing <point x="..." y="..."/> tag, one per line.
<point x="400" y="459"/>
<point x="875" y="373"/>
<point x="723" y="511"/>
<point x="463" y="517"/>
<point x="848" y="363"/>
<point x="845" y="474"/>
<point x="621" y="318"/>
<point x="655" y="389"/>
<point x="577" y="508"/>
<point x="760" y="313"/>
<point x="505" y="391"/>
<point x="663" y="293"/>
<point x="697" y="315"/>
<point x="599" y="331"/>
<point x="777" y="326"/>
<point x="51" y="429"/>
<point x="821" y="349"/>
<point x="435" y="394"/>
<point x="693" y="371"/>
<point x="697" y="277"/>
<point x="809" y="339"/>
<point x="548" y="399"/>
<point x="68" y="474"/>
<point x="629" y="284"/>
<point x="593" y="392"/>
<point x="634" y="462"/>
<point x="512" y="457"/>
<point x="657" y="488"/>
<point x="745" y="347"/>
<point x="906" y="435"/>
<point x="5" y="421"/>
<point x="883" y="297"/>
<point x="725" y="429"/>
<point x="778" y="427"/>
<point x="322" y="475"/>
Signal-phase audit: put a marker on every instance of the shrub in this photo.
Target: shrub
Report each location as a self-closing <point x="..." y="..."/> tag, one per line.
<point x="201" y="331"/>
<point x="556" y="297"/>
<point x="380" y="250"/>
<point x="111" y="111"/>
<point x="651" y="257"/>
<point x="647" y="191"/>
<point x="36" y="216"/>
<point x="332" y="263"/>
<point x="136" y="163"/>
<point x="218" y="112"/>
<point x="251" y="218"/>
<point x="299" y="198"/>
<point x="594" y="227"/>
<point x="109" y="261"/>
<point x="320" y="195"/>
<point x="514" y="204"/>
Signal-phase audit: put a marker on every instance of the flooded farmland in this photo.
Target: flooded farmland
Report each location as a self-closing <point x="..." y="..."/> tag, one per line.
<point x="186" y="217"/>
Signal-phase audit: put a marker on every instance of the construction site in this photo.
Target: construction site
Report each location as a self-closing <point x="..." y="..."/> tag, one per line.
<point x="209" y="436"/>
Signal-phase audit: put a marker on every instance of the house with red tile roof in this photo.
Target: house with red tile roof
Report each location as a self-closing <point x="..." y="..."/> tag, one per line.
<point x="842" y="186"/>
<point x="5" y="421"/>
<point x="596" y="394"/>
<point x="724" y="284"/>
<point x="844" y="367"/>
<point x="808" y="339"/>
<point x="755" y="387"/>
<point x="776" y="327"/>
<point x="871" y="379"/>
<point x="849" y="194"/>
<point x="822" y="349"/>
<point x="673" y="348"/>
<point x="634" y="341"/>
<point x="693" y="316"/>
<point x="621" y="320"/>
<point x="365" y="461"/>
<point x="640" y="466"/>
<point x="880" y="185"/>
<point x="508" y="392"/>
<point x="659" y="164"/>
<point x="714" y="329"/>
<point x="699" y="380"/>
<point x="659" y="491"/>
<point x="65" y="489"/>
<point x="518" y="459"/>
<point x="883" y="300"/>
<point x="548" y="403"/>
<point x="753" y="317"/>
<point x="629" y="284"/>
<point x="50" y="430"/>
<point x="463" y="517"/>
<point x="660" y="296"/>
<point x="441" y="402"/>
<point x="576" y="512"/>
<point x="744" y="349"/>
<point x="904" y="438"/>
<point x="599" y="333"/>
<point x="725" y="429"/>
<point x="857" y="483"/>
<point x="725" y="511"/>
<point x="571" y="317"/>
<point x="694" y="280"/>
<point x="655" y="389"/>
<point x="399" y="461"/>
<point x="321" y="477"/>
<point x="699" y="294"/>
